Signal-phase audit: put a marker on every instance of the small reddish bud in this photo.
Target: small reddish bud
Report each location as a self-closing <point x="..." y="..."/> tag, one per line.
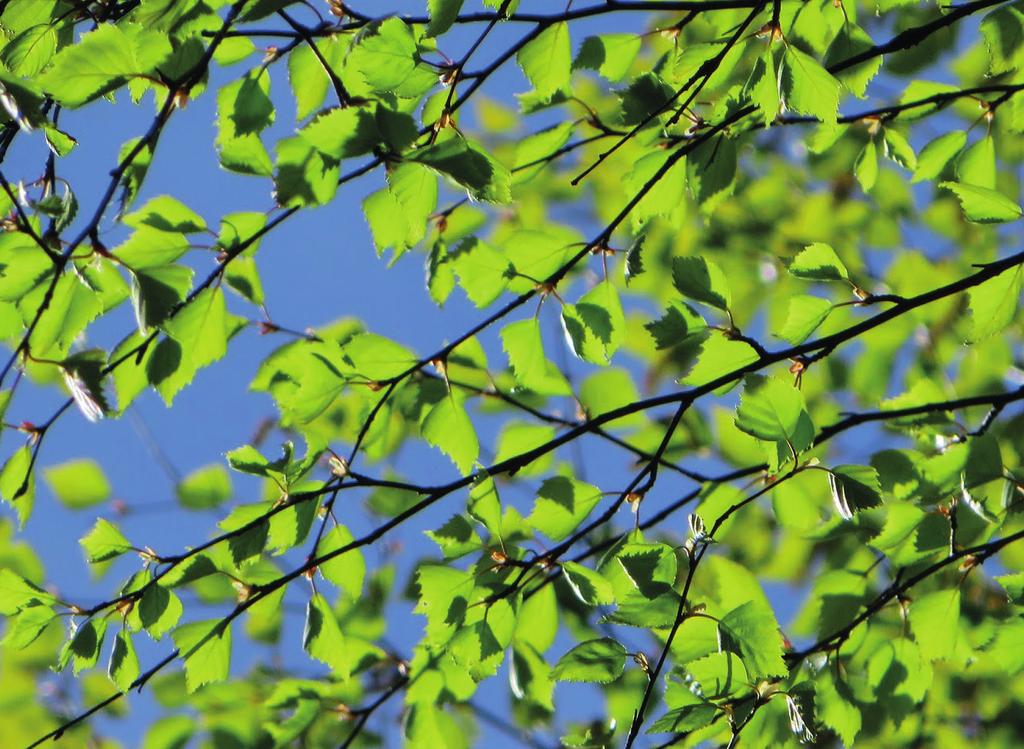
<point x="969" y="563"/>
<point x="634" y="499"/>
<point x="338" y="466"/>
<point x="448" y="76"/>
<point x="445" y="120"/>
<point x="770" y="31"/>
<point x="243" y="591"/>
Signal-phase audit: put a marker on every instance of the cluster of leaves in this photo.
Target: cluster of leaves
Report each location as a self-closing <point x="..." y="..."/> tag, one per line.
<point x="727" y="177"/>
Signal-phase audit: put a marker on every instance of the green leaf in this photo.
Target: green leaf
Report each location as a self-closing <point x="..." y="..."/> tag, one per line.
<point x="589" y="586"/>
<point x="307" y="76"/>
<point x="681" y="324"/>
<point x="388" y="58"/>
<point x="201" y="328"/>
<point x="247" y="546"/>
<point x="538" y="621"/>
<point x="166" y="214"/>
<point x="935" y="621"/>
<point x="982" y="205"/>
<point x="835" y="707"/>
<point x="455" y="538"/>
<point x="516" y="439"/>
<point x="59" y="142"/>
<point x="204" y="488"/>
<point x="684" y="719"/>
<point x="377" y="358"/>
<point x="611" y="55"/>
<point x="17" y="593"/>
<point x="650" y="569"/>
<point x="30" y="51"/>
<point x="442" y="15"/>
<point x="763" y="87"/>
<point x="74" y="306"/>
<point x="483" y="271"/>
<point x="661" y="196"/>
<point x="123" y="668"/>
<point x="818" y="262"/>
<point x="448" y="427"/>
<point x="443" y="599"/>
<point x="160" y="609"/>
<point x="751" y="632"/>
<point x="304" y="176"/>
<point x="83" y="647"/>
<point x="806" y="313"/>
<point x="547" y="60"/>
<point x="711" y="172"/>
<point x="854" y="488"/>
<point x="936" y="155"/>
<point x="976" y="164"/>
<point x="78" y="484"/>
<point x="719" y="356"/>
<point x="104" y="542"/>
<point x="485" y="504"/>
<point x="1003" y="32"/>
<point x="807" y="87"/>
<point x="1013" y="584"/>
<point x="244" y="110"/>
<point x="993" y="304"/>
<point x="17" y="483"/>
<point x="206" y="649"/>
<point x="851" y="41"/>
<point x="601" y="661"/>
<point x="172" y="732"/>
<point x="469" y="166"/>
<point x="533" y="371"/>
<point x="348" y="570"/>
<point x="898" y="148"/>
<point x="717" y="675"/>
<point x="775" y="411"/>
<point x="322" y="637"/>
<point x="535" y="152"/>
<point x="27" y="625"/>
<point x="342" y="133"/>
<point x="596" y="324"/>
<point x="398" y="215"/>
<point x="562" y="504"/>
<point x="480" y="647"/>
<point x="701" y="280"/>
<point x="101" y="61"/>
<point x="866" y="166"/>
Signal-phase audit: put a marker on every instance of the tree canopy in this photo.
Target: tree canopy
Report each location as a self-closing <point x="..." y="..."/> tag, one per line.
<point x="721" y="446"/>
